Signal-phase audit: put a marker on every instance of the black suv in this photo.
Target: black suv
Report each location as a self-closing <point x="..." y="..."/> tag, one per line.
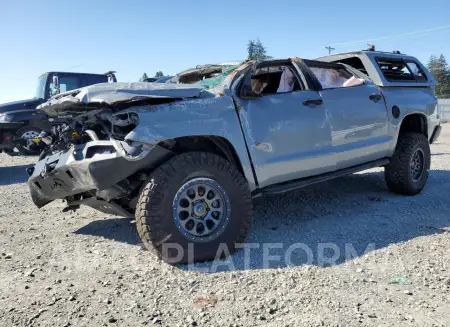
<point x="19" y="120"/>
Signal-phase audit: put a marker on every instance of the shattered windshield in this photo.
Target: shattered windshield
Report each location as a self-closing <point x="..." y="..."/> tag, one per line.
<point x="40" y="89"/>
<point x="216" y="80"/>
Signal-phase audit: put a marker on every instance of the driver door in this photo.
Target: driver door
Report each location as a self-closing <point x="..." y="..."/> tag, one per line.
<point x="288" y="134"/>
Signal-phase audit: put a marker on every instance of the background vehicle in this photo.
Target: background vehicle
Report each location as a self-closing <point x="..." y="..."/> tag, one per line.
<point x="187" y="161"/>
<point x="157" y="79"/>
<point x="19" y="120"/>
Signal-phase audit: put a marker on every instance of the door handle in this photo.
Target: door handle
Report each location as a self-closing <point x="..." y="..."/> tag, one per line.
<point x="314" y="102"/>
<point x="375" y="97"/>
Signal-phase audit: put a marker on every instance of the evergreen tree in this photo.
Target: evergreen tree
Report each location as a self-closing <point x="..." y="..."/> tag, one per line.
<point x="256" y="50"/>
<point x="251" y="50"/>
<point x="441" y="71"/>
<point x="143" y="78"/>
<point x="159" y="74"/>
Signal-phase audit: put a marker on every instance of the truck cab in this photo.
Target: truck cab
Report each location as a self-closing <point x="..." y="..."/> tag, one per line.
<point x="19" y="120"/>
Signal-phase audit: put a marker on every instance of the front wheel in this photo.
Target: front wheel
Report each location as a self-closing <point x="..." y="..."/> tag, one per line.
<point x="27" y="133"/>
<point x="195" y="207"/>
<point x="407" y="173"/>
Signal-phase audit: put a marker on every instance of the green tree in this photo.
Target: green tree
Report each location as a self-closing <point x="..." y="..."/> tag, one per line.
<point x="441" y="71"/>
<point x="143" y="78"/>
<point x="256" y="50"/>
<point x="159" y="74"/>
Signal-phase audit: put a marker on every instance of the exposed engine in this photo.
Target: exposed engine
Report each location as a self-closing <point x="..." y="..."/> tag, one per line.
<point x="91" y="126"/>
<point x="89" y="158"/>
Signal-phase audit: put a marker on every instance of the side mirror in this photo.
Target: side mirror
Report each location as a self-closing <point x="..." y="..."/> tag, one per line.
<point x="248" y="93"/>
<point x="55" y="82"/>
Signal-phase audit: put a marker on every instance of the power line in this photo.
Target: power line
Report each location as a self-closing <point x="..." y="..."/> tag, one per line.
<point x="444" y="28"/>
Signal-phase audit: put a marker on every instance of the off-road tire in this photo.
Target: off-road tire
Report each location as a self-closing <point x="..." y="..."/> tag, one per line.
<point x="154" y="211"/>
<point x="397" y="173"/>
<point x="23" y="150"/>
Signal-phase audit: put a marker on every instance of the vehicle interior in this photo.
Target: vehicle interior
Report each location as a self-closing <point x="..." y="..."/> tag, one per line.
<point x="332" y="75"/>
<point x="266" y="80"/>
<point x="197" y="74"/>
<point x="356" y="63"/>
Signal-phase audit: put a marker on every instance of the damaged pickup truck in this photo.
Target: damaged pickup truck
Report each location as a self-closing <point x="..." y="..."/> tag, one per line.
<point x="186" y="161"/>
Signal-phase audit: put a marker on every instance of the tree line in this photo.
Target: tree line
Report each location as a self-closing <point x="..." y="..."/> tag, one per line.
<point x="440" y="69"/>
<point x="158" y="74"/>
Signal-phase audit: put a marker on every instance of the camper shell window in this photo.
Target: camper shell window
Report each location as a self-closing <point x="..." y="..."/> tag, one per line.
<point x="400" y="70"/>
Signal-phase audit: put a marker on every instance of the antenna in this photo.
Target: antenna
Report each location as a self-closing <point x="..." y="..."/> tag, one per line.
<point x="330" y="49"/>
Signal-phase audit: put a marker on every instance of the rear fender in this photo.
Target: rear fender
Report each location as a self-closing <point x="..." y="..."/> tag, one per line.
<point x="404" y="101"/>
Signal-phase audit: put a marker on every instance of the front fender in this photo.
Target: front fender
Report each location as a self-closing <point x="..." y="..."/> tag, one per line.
<point x="215" y="116"/>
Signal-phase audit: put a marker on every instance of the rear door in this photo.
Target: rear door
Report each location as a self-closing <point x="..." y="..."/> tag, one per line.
<point x="357" y="114"/>
<point x="287" y="131"/>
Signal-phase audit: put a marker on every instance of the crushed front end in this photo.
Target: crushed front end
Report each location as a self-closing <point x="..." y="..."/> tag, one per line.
<point x="105" y="175"/>
<point x="88" y="160"/>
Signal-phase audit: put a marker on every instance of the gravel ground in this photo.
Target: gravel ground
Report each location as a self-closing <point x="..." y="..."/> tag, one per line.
<point x="366" y="258"/>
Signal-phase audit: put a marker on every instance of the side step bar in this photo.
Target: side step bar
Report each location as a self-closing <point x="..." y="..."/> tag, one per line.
<point x="299" y="183"/>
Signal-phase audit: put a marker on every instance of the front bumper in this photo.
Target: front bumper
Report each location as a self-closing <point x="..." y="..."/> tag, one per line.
<point x="94" y="166"/>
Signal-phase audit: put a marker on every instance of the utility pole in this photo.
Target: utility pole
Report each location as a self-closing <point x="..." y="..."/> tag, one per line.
<point x="330" y="49"/>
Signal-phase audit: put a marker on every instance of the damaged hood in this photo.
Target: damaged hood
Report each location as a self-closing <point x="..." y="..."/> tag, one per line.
<point x="111" y="94"/>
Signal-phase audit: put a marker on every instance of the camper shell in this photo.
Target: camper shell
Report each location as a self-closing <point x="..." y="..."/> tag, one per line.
<point x="385" y="68"/>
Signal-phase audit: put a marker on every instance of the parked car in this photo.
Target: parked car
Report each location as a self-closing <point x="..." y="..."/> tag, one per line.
<point x="19" y="120"/>
<point x="187" y="162"/>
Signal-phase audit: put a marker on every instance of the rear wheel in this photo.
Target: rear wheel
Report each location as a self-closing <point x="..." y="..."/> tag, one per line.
<point x="27" y="133"/>
<point x="194" y="207"/>
<point x="407" y="173"/>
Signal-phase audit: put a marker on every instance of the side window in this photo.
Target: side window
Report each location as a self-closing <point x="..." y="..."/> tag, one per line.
<point x="331" y="77"/>
<point x="394" y="70"/>
<point x="354" y="62"/>
<point x="398" y="70"/>
<point x="96" y="79"/>
<point x="275" y="79"/>
<point x="416" y="71"/>
<point x="66" y="83"/>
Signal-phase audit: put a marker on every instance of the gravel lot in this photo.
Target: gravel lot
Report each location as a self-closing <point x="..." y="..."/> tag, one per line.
<point x="85" y="269"/>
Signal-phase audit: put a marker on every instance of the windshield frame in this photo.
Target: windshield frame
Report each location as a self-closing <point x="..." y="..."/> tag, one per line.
<point x="41" y="86"/>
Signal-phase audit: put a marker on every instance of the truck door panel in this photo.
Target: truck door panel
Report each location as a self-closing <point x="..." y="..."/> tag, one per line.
<point x="359" y="124"/>
<point x="357" y="114"/>
<point x="287" y="139"/>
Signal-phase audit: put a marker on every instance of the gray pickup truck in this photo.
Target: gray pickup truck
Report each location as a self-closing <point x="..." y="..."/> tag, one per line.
<point x="187" y="162"/>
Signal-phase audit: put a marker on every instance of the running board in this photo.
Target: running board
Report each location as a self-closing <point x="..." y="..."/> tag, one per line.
<point x="299" y="183"/>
